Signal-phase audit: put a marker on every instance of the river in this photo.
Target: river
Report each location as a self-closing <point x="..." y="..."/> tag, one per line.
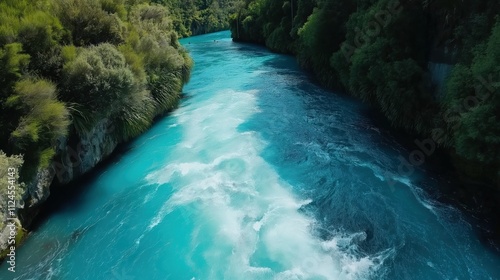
<point x="259" y="174"/>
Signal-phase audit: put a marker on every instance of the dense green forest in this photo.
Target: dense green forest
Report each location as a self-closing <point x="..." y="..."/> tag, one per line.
<point x="193" y="17"/>
<point x="69" y="66"/>
<point x="378" y="51"/>
<point x="66" y="64"/>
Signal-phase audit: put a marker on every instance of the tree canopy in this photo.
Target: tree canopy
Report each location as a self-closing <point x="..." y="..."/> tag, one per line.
<point x="65" y="64"/>
<point x="379" y="51"/>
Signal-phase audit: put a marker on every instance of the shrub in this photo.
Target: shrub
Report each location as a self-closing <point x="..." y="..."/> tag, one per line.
<point x="96" y="82"/>
<point x="88" y="23"/>
<point x="44" y="118"/>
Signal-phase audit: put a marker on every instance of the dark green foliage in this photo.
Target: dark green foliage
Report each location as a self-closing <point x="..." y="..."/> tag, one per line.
<point x="98" y="80"/>
<point x="258" y="21"/>
<point x="39" y="33"/>
<point x="472" y="104"/>
<point x="67" y="64"/>
<point x="12" y="64"/>
<point x="44" y="119"/>
<point x="381" y="70"/>
<point x="318" y="41"/>
<point x="377" y="50"/>
<point x="135" y="115"/>
<point x="193" y="17"/>
<point x="166" y="64"/>
<point x="88" y="23"/>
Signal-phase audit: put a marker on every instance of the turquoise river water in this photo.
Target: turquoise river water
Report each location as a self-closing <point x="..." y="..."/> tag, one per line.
<point x="259" y="174"/>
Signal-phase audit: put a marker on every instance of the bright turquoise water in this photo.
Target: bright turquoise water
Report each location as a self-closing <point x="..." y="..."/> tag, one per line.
<point x="259" y="174"/>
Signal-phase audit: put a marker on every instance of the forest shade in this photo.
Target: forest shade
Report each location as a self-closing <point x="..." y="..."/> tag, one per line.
<point x="379" y="50"/>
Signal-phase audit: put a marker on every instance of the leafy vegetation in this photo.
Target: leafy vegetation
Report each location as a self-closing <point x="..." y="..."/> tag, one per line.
<point x="193" y="17"/>
<point x="378" y="51"/>
<point x="66" y="64"/>
<point x="472" y="105"/>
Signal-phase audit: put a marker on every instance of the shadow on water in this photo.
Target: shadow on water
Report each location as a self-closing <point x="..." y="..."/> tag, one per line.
<point x="70" y="196"/>
<point x="479" y="202"/>
<point x="480" y="205"/>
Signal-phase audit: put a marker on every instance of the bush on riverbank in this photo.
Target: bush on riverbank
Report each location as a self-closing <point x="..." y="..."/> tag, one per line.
<point x="65" y="64"/>
<point x="472" y="105"/>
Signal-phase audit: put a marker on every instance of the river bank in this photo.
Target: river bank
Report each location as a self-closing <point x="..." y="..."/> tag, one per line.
<point x="259" y="174"/>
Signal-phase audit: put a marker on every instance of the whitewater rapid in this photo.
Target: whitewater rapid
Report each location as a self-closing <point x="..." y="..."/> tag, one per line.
<point x="249" y="222"/>
<point x="259" y="174"/>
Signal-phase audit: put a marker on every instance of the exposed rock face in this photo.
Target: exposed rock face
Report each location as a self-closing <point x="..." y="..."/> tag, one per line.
<point x="74" y="160"/>
<point x="37" y="191"/>
<point x="70" y="162"/>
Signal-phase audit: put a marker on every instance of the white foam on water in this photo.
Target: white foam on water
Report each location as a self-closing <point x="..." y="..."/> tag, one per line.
<point x="247" y="218"/>
<point x="418" y="193"/>
<point x="259" y="72"/>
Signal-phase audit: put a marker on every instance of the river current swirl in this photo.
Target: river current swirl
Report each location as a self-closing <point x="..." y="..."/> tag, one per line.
<point x="259" y="174"/>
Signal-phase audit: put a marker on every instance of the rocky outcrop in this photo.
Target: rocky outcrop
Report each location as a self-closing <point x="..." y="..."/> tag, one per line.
<point x="79" y="157"/>
<point x="73" y="159"/>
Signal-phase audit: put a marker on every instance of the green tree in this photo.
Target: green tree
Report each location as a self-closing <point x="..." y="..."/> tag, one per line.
<point x="473" y="97"/>
<point x="12" y="63"/>
<point x="95" y="83"/>
<point x="44" y="117"/>
<point x="88" y="23"/>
